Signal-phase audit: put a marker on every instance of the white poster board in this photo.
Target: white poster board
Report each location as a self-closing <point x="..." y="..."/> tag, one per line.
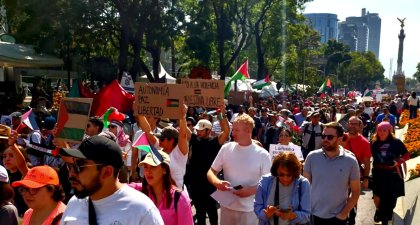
<point x="275" y="149"/>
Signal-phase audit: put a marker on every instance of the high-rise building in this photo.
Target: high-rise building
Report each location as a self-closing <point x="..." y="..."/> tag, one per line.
<point x="367" y="29"/>
<point x="325" y="23"/>
<point x="348" y="35"/>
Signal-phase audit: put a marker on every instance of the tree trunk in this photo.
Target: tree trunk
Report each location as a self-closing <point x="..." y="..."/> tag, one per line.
<point x="260" y="53"/>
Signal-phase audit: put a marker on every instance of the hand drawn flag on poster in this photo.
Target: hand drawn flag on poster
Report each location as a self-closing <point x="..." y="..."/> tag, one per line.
<point x="127" y="83"/>
<point x="72" y="118"/>
<point x="29" y="120"/>
<point x="143" y="144"/>
<point x="241" y="74"/>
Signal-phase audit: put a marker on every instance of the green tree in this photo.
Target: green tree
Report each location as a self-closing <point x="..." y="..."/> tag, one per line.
<point x="417" y="73"/>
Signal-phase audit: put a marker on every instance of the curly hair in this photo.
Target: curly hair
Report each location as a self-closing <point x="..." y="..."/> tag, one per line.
<point x="287" y="160"/>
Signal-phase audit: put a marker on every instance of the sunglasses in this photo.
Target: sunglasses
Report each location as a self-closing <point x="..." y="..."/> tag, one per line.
<point x="31" y="191"/>
<point x="78" y="166"/>
<point x="112" y="126"/>
<point x="328" y="136"/>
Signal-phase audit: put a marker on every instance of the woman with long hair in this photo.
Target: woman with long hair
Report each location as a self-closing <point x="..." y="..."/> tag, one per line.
<point x="173" y="204"/>
<point x="389" y="153"/>
<point x="43" y="194"/>
<point x="283" y="197"/>
<point x="8" y="212"/>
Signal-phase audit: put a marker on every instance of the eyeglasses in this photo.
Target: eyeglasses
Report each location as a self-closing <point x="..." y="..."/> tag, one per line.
<point x="328" y="136"/>
<point x="78" y="166"/>
<point x="112" y="126"/>
<point x="31" y="191"/>
<point x="285" y="175"/>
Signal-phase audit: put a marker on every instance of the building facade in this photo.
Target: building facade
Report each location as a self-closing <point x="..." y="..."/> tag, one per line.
<point x="325" y="23"/>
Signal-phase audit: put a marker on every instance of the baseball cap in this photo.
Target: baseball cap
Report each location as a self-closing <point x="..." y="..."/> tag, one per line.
<point x="151" y="160"/>
<point x="168" y="132"/>
<point x="5" y="131"/>
<point x="203" y="124"/>
<point x="37" y="177"/>
<point x="165" y="122"/>
<point x="99" y="149"/>
<point x="4" y="177"/>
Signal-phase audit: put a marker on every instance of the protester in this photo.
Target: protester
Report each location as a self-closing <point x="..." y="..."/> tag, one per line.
<point x="15" y="163"/>
<point x="99" y="197"/>
<point x="311" y="133"/>
<point x="204" y="150"/>
<point x="386" y="116"/>
<point x="334" y="169"/>
<point x="389" y="153"/>
<point x="43" y="194"/>
<point x="283" y="195"/>
<point x="243" y="163"/>
<point x="360" y="147"/>
<point x="94" y="126"/>
<point x="285" y="143"/>
<point x="301" y="117"/>
<point x="173" y="204"/>
<point x="17" y="124"/>
<point x="123" y="140"/>
<point x="413" y="103"/>
<point x="8" y="212"/>
<point x="271" y="135"/>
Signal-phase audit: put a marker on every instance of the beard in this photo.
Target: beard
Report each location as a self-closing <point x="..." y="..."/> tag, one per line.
<point x="328" y="147"/>
<point x="87" y="190"/>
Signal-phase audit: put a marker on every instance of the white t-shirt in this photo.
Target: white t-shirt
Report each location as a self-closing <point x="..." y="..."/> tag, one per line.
<point x="126" y="206"/>
<point x="368" y="110"/>
<point x="412" y="101"/>
<point x="242" y="165"/>
<point x="178" y="166"/>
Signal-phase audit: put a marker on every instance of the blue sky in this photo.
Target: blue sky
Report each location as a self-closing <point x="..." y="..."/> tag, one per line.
<point x="388" y="11"/>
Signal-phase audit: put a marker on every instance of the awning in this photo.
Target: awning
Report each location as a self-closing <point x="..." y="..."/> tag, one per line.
<point x="25" y="56"/>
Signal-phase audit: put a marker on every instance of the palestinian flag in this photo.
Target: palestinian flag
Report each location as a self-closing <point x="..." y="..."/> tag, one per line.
<point x="325" y="87"/>
<point x="143" y="145"/>
<point x="172" y="102"/>
<point x="367" y="93"/>
<point x="262" y="83"/>
<point x="29" y="119"/>
<point x="112" y="114"/>
<point x="241" y="74"/>
<point x="72" y="113"/>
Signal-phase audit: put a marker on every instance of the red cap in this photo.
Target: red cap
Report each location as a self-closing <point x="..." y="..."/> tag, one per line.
<point x="37" y="177"/>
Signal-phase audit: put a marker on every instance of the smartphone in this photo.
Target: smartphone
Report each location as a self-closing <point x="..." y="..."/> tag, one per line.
<point x="238" y="187"/>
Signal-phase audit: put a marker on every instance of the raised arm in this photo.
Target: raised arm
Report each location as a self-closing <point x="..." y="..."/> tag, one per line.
<point x="182" y="138"/>
<point x="224" y="124"/>
<point x="20" y="159"/>
<point x="145" y="127"/>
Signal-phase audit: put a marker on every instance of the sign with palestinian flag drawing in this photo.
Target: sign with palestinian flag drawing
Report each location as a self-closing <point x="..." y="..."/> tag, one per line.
<point x="203" y="92"/>
<point x="159" y="100"/>
<point x="73" y="117"/>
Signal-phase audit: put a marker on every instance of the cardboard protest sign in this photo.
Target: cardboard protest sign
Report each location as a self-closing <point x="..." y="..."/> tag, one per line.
<point x="275" y="149"/>
<point x="205" y="93"/>
<point x="236" y="98"/>
<point x="73" y="117"/>
<point x="158" y="100"/>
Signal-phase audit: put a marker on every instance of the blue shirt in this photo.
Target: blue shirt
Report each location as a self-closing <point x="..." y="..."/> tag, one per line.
<point x="263" y="191"/>
<point x="381" y="117"/>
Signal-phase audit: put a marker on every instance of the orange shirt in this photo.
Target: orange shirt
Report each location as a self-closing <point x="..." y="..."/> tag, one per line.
<point x="57" y="210"/>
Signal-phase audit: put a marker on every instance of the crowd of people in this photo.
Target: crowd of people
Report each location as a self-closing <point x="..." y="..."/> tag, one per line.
<point x="294" y="161"/>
